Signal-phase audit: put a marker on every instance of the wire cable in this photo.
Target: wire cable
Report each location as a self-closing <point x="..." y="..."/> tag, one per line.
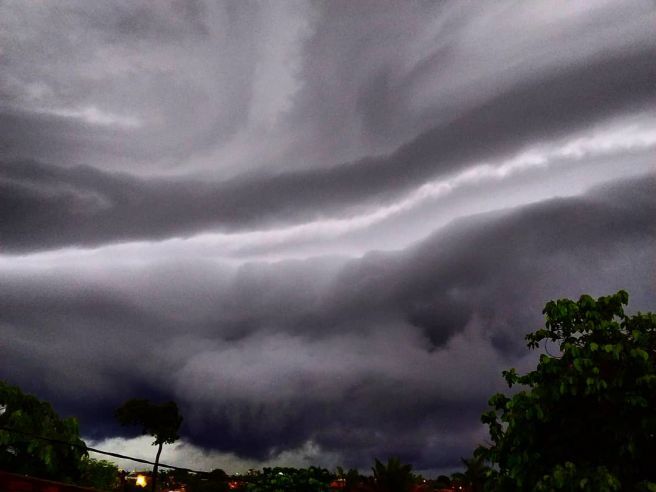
<point x="94" y="450"/>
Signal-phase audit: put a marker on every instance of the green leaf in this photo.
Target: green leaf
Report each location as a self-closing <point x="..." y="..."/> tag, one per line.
<point x="601" y="389"/>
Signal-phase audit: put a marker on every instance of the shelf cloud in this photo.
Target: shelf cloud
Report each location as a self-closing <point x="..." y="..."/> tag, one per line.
<point x="322" y="228"/>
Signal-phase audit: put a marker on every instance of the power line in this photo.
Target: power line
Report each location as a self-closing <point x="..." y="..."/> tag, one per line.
<point x="108" y="453"/>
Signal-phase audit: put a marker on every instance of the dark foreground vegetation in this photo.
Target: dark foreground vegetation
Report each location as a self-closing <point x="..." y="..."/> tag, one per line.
<point x="583" y="420"/>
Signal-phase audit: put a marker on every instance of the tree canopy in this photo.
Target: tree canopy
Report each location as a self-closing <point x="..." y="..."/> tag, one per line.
<point x="99" y="474"/>
<point x="585" y="418"/>
<point x="23" y="416"/>
<point x="162" y="421"/>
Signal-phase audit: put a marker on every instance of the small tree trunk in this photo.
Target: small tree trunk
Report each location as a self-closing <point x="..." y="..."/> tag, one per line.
<point x="156" y="468"/>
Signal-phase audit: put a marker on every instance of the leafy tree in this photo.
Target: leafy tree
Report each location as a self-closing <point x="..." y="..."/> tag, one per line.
<point x="393" y="477"/>
<point x="26" y="416"/>
<point x="99" y="474"/>
<point x="162" y="421"/>
<point x="585" y="418"/>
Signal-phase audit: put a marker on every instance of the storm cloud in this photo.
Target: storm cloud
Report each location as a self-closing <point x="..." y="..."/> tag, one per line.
<point x="322" y="228"/>
<point x="86" y="206"/>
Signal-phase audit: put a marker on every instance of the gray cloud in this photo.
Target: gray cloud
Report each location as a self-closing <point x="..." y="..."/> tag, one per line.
<point x="142" y="85"/>
<point x="224" y="88"/>
<point x="322" y="228"/>
<point x="86" y="206"/>
<point x="386" y="354"/>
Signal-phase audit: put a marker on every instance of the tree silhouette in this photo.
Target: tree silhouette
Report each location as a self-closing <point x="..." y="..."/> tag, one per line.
<point x="161" y="421"/>
<point x="476" y="473"/>
<point x="393" y="477"/>
<point x="352" y="478"/>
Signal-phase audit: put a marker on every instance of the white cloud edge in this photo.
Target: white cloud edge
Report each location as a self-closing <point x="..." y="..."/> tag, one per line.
<point x="631" y="134"/>
<point x="186" y="455"/>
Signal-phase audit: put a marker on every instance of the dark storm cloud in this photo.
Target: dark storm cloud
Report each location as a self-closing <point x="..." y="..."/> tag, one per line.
<point x="125" y="85"/>
<point x="45" y="207"/>
<point x="374" y="77"/>
<point x="313" y="132"/>
<point x="365" y="357"/>
<point x="222" y="88"/>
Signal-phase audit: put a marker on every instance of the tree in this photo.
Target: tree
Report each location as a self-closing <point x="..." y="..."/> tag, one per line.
<point x="22" y="417"/>
<point x="393" y="477"/>
<point x="161" y="421"/>
<point x="312" y="479"/>
<point x="352" y="478"/>
<point x="215" y="481"/>
<point x="99" y="474"/>
<point x="442" y="482"/>
<point x="476" y="473"/>
<point x="586" y="417"/>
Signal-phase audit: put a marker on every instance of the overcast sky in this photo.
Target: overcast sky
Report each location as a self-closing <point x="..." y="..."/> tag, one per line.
<point x="323" y="228"/>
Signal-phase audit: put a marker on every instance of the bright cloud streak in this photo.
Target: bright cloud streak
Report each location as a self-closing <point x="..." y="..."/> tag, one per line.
<point x="92" y="115"/>
<point x="184" y="454"/>
<point x="638" y="135"/>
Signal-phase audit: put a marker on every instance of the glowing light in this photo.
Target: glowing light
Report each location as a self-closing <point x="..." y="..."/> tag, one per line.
<point x="141" y="481"/>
